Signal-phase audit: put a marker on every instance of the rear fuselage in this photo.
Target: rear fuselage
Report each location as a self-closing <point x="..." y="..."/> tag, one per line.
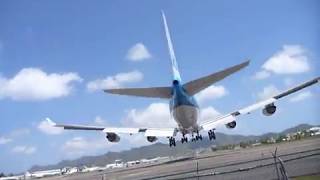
<point x="184" y="109"/>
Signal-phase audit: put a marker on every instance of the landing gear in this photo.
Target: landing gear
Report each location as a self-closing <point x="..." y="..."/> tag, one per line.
<point x="197" y="137"/>
<point x="211" y="134"/>
<point x="184" y="139"/>
<point x="172" y="141"/>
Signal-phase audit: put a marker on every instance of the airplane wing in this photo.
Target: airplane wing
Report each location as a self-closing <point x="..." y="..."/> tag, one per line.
<point x="157" y="132"/>
<point x="231" y="117"/>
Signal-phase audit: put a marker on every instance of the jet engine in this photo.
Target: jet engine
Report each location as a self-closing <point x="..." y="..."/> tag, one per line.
<point x="231" y="125"/>
<point x="269" y="109"/>
<point x="113" y="137"/>
<point x="152" y="138"/>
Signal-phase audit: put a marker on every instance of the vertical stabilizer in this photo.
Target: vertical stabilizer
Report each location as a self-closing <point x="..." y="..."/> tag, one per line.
<point x="174" y="64"/>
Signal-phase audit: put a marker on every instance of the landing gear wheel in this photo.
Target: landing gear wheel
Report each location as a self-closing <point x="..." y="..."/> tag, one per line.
<point x="172" y="141"/>
<point x="184" y="139"/>
<point x="211" y="134"/>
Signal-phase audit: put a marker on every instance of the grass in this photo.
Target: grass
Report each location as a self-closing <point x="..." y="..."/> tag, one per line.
<point x="311" y="177"/>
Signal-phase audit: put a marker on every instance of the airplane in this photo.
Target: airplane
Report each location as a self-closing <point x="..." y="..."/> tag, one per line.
<point x="184" y="108"/>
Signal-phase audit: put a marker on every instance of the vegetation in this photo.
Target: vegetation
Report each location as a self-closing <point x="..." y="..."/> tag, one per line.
<point x="314" y="177"/>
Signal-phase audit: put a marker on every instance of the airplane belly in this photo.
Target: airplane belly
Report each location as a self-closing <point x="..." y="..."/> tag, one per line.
<point x="186" y="116"/>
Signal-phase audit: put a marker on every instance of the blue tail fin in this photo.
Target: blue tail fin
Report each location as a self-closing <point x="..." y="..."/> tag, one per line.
<point x="174" y="64"/>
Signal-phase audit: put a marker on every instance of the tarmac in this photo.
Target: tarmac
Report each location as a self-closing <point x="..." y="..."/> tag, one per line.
<point x="299" y="158"/>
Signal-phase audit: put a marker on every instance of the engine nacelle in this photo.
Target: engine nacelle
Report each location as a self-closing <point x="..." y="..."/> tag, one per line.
<point x="152" y="138"/>
<point x="231" y="125"/>
<point x="269" y="109"/>
<point x="113" y="137"/>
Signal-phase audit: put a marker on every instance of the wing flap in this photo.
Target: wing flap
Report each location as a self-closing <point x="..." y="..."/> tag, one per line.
<point x="160" y="132"/>
<point x="121" y="130"/>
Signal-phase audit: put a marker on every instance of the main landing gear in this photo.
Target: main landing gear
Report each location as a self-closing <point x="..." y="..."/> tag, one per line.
<point x="172" y="141"/>
<point x="184" y="139"/>
<point x="197" y="137"/>
<point x="211" y="134"/>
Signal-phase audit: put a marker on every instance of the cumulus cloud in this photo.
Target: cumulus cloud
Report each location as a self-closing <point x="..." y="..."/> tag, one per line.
<point x="5" y="140"/>
<point x="158" y="115"/>
<point x="35" y="84"/>
<point x="261" y="75"/>
<point x="20" y="132"/>
<point x="291" y="59"/>
<point x="138" y="52"/>
<point x="208" y="113"/>
<point x="115" y="81"/>
<point x="268" y="92"/>
<point x="24" y="149"/>
<point x="47" y="128"/>
<point x="155" y="115"/>
<point x="17" y="133"/>
<point x="301" y="96"/>
<point x="100" y="121"/>
<point x="79" y="146"/>
<point x="212" y="92"/>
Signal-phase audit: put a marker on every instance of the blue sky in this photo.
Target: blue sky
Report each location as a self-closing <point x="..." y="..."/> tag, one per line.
<point x="51" y="51"/>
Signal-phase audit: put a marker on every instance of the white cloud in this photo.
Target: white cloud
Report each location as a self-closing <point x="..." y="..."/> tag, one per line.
<point x="301" y="96"/>
<point x="34" y="84"/>
<point x="261" y="75"/>
<point x="292" y="59"/>
<point x="79" y="146"/>
<point x="208" y="113"/>
<point x="268" y="92"/>
<point x="4" y="140"/>
<point x="47" y="128"/>
<point x="158" y="115"/>
<point x="24" y="149"/>
<point x="115" y="81"/>
<point x="20" y="132"/>
<point x="138" y="52"/>
<point x="155" y="115"/>
<point x="212" y="92"/>
<point x="100" y="121"/>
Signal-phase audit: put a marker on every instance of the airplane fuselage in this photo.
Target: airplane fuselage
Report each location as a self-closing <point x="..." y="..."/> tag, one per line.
<point x="184" y="109"/>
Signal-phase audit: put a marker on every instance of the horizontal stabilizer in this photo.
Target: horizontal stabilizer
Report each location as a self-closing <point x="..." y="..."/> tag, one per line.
<point x="154" y="92"/>
<point x="197" y="85"/>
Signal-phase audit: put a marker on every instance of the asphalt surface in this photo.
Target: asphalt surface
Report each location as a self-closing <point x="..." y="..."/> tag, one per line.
<point x="299" y="157"/>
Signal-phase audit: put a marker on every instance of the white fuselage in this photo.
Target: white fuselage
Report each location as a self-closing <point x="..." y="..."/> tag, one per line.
<point x="184" y="109"/>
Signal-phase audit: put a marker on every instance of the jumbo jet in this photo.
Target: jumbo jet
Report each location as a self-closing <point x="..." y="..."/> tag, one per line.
<point x="184" y="108"/>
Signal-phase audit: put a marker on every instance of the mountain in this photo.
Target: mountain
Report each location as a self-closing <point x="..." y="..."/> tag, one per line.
<point x="160" y="149"/>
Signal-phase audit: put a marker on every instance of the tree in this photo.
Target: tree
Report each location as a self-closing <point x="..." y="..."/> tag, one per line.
<point x="2" y="175"/>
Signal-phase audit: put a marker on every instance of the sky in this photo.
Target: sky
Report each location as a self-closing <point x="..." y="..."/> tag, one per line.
<point x="57" y="56"/>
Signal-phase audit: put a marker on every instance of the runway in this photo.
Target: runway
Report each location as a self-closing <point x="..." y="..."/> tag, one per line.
<point x="299" y="157"/>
